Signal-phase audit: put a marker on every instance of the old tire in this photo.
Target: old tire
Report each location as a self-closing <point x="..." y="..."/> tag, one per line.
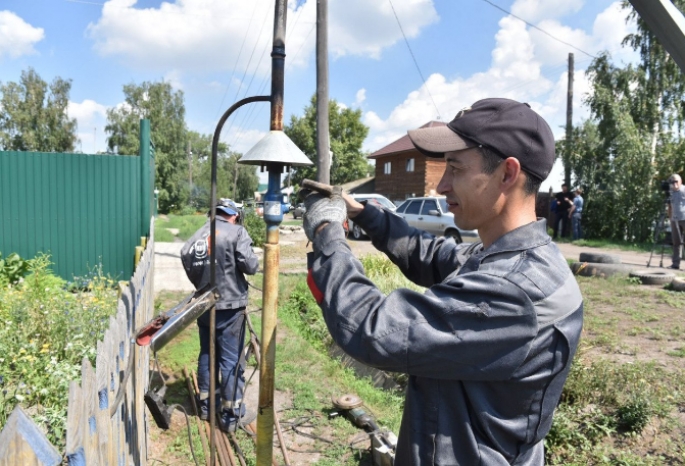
<point x="599" y="258"/>
<point x="589" y="269"/>
<point x="678" y="284"/>
<point x="653" y="277"/>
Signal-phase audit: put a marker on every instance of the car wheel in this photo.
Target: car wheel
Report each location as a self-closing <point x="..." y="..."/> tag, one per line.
<point x="454" y="234"/>
<point x="356" y="232"/>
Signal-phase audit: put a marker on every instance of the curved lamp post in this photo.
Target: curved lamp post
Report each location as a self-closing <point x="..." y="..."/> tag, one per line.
<point x="275" y="152"/>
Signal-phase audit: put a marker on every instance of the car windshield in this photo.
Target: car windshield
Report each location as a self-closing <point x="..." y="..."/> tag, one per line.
<point x="443" y="204"/>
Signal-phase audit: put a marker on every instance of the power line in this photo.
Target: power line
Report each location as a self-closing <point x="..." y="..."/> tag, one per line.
<point x="254" y="9"/>
<point x="535" y="27"/>
<point x="414" y="58"/>
<point x="247" y="67"/>
<point x="253" y="115"/>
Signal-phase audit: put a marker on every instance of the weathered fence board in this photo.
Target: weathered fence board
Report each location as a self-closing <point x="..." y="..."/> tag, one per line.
<point x="106" y="417"/>
<point x="22" y="442"/>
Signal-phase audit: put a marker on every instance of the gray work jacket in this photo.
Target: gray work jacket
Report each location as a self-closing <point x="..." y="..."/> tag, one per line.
<point x="487" y="347"/>
<point x="234" y="258"/>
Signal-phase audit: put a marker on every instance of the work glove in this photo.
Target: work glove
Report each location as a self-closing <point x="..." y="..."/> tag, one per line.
<point x="323" y="203"/>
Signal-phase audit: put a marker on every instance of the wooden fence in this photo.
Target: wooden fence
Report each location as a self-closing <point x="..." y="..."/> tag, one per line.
<point x="106" y="417"/>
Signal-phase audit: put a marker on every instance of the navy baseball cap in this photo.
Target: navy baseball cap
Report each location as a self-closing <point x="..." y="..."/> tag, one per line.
<point x="228" y="207"/>
<point x="507" y="127"/>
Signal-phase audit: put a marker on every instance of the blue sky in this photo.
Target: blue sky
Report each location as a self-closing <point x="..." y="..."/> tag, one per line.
<point x="217" y="51"/>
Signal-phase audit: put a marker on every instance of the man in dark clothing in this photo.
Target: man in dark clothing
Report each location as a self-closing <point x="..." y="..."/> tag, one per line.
<point x="564" y="203"/>
<point x="234" y="258"/>
<point x="489" y="344"/>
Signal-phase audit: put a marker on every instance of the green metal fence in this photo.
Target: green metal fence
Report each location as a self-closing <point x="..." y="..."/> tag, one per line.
<point x="84" y="210"/>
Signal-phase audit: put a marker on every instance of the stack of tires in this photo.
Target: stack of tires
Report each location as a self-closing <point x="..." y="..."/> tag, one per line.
<point x="601" y="265"/>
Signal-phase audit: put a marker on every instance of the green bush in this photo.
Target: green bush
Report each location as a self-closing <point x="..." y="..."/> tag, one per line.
<point x="46" y="332"/>
<point x="12" y="268"/>
<point x="256" y="227"/>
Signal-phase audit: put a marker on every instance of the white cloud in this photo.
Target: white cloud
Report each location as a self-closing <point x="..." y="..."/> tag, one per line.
<point x="173" y="77"/>
<point x="361" y="27"/>
<point x="242" y="140"/>
<point x="91" y="118"/>
<point x="17" y="37"/>
<point x="535" y="10"/>
<point x="211" y="35"/>
<point x="526" y="65"/>
<point x="360" y="97"/>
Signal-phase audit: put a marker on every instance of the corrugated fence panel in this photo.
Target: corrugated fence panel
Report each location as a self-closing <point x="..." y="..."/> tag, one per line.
<point x="84" y="210"/>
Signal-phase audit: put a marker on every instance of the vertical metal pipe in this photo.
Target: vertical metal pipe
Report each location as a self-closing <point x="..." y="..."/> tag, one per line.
<point x="265" y="419"/>
<point x="145" y="186"/>
<point x="569" y="122"/>
<point x="212" y="313"/>
<point x="323" y="143"/>
<point x="278" y="66"/>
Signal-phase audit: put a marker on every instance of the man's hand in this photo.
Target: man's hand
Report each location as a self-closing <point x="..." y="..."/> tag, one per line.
<point x="323" y="203"/>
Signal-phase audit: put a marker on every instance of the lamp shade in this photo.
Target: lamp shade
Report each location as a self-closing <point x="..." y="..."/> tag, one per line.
<point x="275" y="147"/>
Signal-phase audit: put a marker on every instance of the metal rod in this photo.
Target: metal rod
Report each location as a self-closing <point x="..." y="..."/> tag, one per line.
<point x="323" y="144"/>
<point x="279" y="432"/>
<point x="200" y="427"/>
<point x="265" y="414"/>
<point x="212" y="273"/>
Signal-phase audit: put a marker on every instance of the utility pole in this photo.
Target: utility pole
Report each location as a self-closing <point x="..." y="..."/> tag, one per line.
<point x="569" y="123"/>
<point x="190" y="167"/>
<point x="235" y="179"/>
<point x="94" y="141"/>
<point x="323" y="143"/>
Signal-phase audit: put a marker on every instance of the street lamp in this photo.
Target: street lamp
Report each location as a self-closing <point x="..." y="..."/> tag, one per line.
<point x="275" y="152"/>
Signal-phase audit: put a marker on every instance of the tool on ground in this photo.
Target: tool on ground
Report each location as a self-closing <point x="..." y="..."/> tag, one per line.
<point x="161" y="413"/>
<point x="383" y="442"/>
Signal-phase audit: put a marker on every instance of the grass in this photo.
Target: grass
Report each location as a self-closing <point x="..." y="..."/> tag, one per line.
<point x="186" y="225"/>
<point x="621" y="405"/>
<point x="612" y="244"/>
<point x="299" y="351"/>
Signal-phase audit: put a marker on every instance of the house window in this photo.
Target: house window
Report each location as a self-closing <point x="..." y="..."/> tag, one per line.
<point x="387" y="168"/>
<point x="410" y="165"/>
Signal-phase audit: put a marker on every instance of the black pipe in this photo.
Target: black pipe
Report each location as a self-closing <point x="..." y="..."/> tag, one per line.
<point x="212" y="270"/>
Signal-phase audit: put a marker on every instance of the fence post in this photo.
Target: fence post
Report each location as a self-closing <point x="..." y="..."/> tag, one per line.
<point x="145" y="189"/>
<point x="22" y="442"/>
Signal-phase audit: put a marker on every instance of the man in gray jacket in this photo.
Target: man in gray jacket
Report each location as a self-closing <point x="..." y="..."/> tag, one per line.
<point x="234" y="258"/>
<point x="489" y="344"/>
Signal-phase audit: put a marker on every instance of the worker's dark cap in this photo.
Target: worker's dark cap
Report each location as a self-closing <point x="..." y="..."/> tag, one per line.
<point x="507" y="127"/>
<point x="227" y="206"/>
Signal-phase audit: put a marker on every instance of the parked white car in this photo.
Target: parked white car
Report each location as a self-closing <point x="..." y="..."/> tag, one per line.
<point x="431" y="214"/>
<point x="355" y="230"/>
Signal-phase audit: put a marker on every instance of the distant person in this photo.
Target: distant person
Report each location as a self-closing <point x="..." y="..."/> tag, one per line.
<point x="234" y="259"/>
<point x="561" y="218"/>
<point x="676" y="212"/>
<point x="575" y="213"/>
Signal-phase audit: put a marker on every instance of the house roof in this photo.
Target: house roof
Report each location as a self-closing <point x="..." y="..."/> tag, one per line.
<point x="403" y="144"/>
<point x="362" y="185"/>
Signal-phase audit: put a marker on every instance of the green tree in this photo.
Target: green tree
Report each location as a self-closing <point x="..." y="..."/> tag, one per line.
<point x="33" y="115"/>
<point x="347" y="134"/>
<point x="634" y="139"/>
<point x="235" y="185"/>
<point x="165" y="108"/>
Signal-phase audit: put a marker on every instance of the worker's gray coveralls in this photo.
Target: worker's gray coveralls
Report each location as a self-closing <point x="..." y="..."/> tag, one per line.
<point x="488" y="346"/>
